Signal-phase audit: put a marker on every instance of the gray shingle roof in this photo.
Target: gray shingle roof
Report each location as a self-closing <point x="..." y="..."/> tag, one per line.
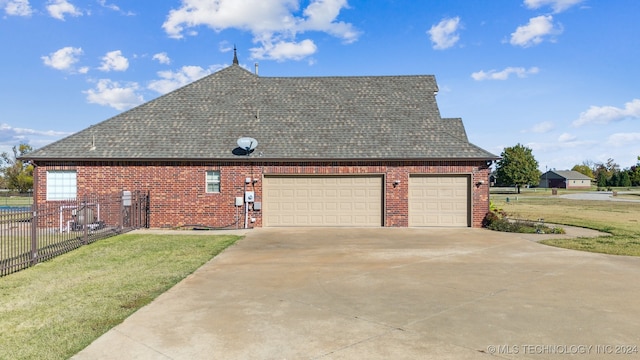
<point x="566" y="174"/>
<point x="314" y="118"/>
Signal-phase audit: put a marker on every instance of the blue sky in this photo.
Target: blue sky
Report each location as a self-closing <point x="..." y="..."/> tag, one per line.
<point x="559" y="76"/>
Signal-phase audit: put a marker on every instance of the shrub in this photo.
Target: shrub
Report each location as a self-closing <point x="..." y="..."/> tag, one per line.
<point x="497" y="220"/>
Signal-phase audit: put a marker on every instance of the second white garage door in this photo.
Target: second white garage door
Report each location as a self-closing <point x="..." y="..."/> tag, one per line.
<point x="439" y="201"/>
<point x="322" y="201"/>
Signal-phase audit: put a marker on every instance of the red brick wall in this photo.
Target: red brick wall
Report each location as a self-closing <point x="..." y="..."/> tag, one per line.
<point x="179" y="198"/>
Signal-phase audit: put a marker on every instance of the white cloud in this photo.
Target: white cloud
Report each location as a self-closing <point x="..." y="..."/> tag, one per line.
<point x="534" y="32"/>
<point x="12" y="131"/>
<point x="270" y="22"/>
<point x="162" y="58"/>
<point x="284" y="50"/>
<point x="504" y="74"/>
<point x="623" y="139"/>
<point x="542" y="128"/>
<point x="114" y="60"/>
<point x="173" y="80"/>
<point x="321" y="16"/>
<point x="18" y="8"/>
<point x="104" y="4"/>
<point x="12" y="136"/>
<point x="445" y="33"/>
<point x="557" y="5"/>
<point x="224" y="46"/>
<point x="59" y="8"/>
<point x="560" y="145"/>
<point x="114" y="7"/>
<point x="566" y="137"/>
<point x="63" y="59"/>
<point x="111" y="93"/>
<point x="607" y="114"/>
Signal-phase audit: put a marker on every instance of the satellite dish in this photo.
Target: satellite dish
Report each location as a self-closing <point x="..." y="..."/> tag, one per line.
<point x="247" y="144"/>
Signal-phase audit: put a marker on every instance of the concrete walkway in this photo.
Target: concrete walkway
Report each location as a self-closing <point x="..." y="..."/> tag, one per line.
<point x="598" y="195"/>
<point x="390" y="293"/>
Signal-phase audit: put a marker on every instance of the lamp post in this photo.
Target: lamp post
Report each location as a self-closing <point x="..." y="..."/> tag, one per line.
<point x="546" y="176"/>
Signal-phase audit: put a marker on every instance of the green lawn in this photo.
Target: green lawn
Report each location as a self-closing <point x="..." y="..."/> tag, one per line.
<point x="57" y="308"/>
<point x="16" y="200"/>
<point x="620" y="219"/>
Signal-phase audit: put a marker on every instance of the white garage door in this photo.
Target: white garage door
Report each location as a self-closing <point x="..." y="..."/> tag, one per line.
<point x="439" y="201"/>
<point x="322" y="201"/>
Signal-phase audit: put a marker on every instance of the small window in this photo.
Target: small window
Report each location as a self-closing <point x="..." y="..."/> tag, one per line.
<point x="61" y="185"/>
<point x="213" y="181"/>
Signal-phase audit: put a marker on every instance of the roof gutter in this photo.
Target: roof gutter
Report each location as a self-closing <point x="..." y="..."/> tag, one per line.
<point x="254" y="159"/>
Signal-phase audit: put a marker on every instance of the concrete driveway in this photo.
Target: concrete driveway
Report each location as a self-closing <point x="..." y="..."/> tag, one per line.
<point x="389" y="293"/>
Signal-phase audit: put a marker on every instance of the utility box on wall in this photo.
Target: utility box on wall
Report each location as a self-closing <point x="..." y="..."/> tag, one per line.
<point x="249" y="196"/>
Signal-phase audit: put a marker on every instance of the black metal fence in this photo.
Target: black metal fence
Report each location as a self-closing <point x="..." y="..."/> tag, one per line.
<point x="29" y="235"/>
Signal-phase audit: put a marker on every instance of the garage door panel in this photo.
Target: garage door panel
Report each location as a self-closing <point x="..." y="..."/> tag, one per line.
<point x="315" y="193"/>
<point x="346" y="206"/>
<point x="446" y="207"/>
<point x="461" y="207"/>
<point x="286" y="192"/>
<point x="287" y="206"/>
<point x="315" y="206"/>
<point x="439" y="200"/>
<point x="328" y="201"/>
<point x="330" y="193"/>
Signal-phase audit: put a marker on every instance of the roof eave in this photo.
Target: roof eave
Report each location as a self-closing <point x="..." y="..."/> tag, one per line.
<point x="252" y="158"/>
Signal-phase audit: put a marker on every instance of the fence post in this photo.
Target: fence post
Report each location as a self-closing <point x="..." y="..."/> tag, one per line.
<point x="136" y="213"/>
<point x="85" y="209"/>
<point x="147" y="209"/>
<point x="34" y="234"/>
<point x="121" y="221"/>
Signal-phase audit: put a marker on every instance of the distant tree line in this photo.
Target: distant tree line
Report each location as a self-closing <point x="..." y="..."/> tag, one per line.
<point x="15" y="174"/>
<point x="518" y="167"/>
<point x="609" y="174"/>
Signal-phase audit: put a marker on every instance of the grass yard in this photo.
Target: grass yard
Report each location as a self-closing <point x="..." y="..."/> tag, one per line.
<point x="620" y="219"/>
<point x="57" y="308"/>
<point x="16" y="200"/>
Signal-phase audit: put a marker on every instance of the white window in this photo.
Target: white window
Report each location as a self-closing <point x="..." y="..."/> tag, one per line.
<point x="213" y="181"/>
<point x="61" y="184"/>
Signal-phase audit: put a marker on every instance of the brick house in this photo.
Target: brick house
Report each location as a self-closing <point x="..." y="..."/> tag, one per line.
<point x="331" y="151"/>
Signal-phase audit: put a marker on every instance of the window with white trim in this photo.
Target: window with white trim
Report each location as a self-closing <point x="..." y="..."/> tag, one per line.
<point x="213" y="181"/>
<point x="61" y="184"/>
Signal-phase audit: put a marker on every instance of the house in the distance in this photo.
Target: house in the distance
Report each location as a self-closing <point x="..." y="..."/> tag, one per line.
<point x="322" y="151"/>
<point x="565" y="179"/>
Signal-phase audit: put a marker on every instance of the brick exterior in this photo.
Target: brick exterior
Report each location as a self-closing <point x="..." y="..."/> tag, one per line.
<point x="178" y="196"/>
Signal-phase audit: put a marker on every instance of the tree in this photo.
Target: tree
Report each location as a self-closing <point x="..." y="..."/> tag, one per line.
<point x="608" y="169"/>
<point x="583" y="169"/>
<point x="602" y="180"/>
<point x="624" y="180"/>
<point x="614" y="180"/>
<point x="17" y="175"/>
<point x="634" y="174"/>
<point x="518" y="167"/>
